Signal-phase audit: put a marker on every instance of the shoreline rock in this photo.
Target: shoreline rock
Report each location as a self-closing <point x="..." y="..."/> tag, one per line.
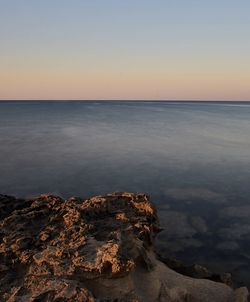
<point x="99" y="249"/>
<point x="196" y="271"/>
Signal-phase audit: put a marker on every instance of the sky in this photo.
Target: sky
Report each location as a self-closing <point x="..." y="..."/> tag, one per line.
<point x="125" y="49"/>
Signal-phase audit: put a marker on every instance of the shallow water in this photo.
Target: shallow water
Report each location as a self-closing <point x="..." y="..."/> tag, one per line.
<point x="192" y="158"/>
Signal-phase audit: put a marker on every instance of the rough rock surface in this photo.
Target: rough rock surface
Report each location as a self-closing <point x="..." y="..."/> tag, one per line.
<point x="100" y="249"/>
<point x="196" y="271"/>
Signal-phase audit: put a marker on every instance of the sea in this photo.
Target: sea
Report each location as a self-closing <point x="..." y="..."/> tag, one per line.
<point x="192" y="158"/>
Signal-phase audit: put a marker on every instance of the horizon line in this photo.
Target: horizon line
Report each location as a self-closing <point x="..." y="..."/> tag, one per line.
<point x="121" y="100"/>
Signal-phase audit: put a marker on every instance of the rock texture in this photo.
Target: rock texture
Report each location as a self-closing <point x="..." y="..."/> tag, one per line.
<point x="196" y="271"/>
<point x="99" y="249"/>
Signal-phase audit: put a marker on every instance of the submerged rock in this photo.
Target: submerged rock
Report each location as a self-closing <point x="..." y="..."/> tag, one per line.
<point x="99" y="249"/>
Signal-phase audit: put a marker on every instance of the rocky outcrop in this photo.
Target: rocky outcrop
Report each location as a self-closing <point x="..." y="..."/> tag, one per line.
<point x="99" y="249"/>
<point x="196" y="271"/>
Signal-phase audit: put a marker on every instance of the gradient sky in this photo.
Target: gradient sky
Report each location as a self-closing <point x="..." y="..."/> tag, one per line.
<point x="125" y="49"/>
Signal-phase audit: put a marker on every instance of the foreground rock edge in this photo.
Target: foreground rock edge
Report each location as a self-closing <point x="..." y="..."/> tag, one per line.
<point x="99" y="249"/>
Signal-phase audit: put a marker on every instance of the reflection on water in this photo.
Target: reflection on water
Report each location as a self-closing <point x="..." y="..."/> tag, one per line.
<point x="192" y="158"/>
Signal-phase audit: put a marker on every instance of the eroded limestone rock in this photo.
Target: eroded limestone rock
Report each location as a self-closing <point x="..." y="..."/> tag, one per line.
<point x="99" y="249"/>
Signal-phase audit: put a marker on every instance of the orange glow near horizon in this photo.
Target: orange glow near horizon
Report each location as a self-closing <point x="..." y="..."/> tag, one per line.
<point x="120" y="85"/>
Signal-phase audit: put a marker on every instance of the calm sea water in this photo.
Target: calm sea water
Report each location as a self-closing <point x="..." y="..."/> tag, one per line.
<point x="192" y="158"/>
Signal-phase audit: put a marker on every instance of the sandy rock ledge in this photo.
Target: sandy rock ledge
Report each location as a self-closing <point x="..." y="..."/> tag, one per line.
<point x="99" y="249"/>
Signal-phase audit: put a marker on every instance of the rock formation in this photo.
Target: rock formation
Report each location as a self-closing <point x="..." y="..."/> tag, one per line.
<point x="99" y="249"/>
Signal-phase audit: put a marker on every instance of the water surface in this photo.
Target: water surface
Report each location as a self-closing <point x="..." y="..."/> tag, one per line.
<point x="192" y="158"/>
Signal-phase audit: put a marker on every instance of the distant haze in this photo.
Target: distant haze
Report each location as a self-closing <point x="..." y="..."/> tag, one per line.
<point x="133" y="49"/>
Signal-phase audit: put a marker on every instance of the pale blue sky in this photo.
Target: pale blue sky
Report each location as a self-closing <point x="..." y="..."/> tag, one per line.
<point x="125" y="49"/>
